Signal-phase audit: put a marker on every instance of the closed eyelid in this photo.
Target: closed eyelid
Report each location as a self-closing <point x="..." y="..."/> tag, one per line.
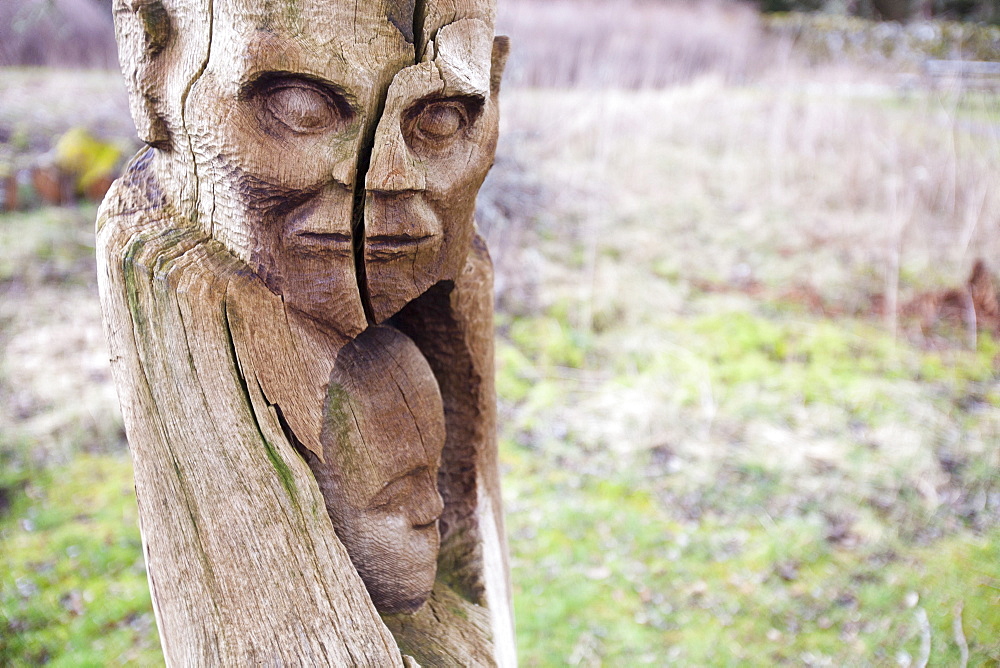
<point x="435" y="123"/>
<point x="397" y="486"/>
<point x="473" y="104"/>
<point x="269" y="92"/>
<point x="264" y="80"/>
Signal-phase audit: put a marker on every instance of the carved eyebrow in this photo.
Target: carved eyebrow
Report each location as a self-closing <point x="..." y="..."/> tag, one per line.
<point x="473" y="104"/>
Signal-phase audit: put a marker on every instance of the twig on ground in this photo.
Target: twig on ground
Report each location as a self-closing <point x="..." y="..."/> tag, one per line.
<point x="959" y="631"/>
<point x="925" y="638"/>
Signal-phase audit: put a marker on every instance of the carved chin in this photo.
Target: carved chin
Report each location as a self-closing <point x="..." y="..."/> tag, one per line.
<point x="396" y="279"/>
<point x="399" y="595"/>
<point x="395" y="604"/>
<point x="398" y="568"/>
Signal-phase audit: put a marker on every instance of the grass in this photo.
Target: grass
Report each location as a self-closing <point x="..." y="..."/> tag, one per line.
<point x="74" y="588"/>
<point x="719" y="452"/>
<point x="789" y="516"/>
<point x="72" y="581"/>
<point x="718" y="446"/>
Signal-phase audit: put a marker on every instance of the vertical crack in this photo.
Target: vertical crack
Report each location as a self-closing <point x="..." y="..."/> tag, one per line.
<point x="184" y="99"/>
<point x="364" y="163"/>
<point x="419" y="14"/>
<point x="358" y="223"/>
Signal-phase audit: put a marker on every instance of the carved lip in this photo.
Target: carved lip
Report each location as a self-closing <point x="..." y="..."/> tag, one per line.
<point x="330" y="242"/>
<point x="392" y="246"/>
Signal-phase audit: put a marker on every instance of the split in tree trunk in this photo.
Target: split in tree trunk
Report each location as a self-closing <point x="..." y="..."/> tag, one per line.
<point x="300" y="317"/>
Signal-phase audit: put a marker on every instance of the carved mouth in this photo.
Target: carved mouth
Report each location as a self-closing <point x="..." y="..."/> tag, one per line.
<point x="390" y="247"/>
<point x="336" y="243"/>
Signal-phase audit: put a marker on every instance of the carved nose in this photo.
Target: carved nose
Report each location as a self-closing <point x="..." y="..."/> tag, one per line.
<point x="394" y="168"/>
<point x="430" y="505"/>
<point x="431" y="513"/>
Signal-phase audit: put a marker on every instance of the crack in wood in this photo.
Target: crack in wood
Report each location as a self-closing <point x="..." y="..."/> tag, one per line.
<point x="258" y="385"/>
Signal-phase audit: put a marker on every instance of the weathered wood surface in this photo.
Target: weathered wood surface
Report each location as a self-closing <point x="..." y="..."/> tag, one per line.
<point x="300" y="318"/>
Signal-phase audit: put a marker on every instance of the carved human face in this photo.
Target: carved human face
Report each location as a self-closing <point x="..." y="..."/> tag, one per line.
<point x="434" y="145"/>
<point x="278" y="123"/>
<point x="383" y="439"/>
<point x="345" y="194"/>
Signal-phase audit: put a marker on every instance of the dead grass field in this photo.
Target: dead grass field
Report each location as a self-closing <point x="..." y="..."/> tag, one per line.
<point x="728" y="439"/>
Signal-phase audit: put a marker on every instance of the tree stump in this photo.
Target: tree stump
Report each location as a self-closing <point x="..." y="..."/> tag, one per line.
<point x="299" y="312"/>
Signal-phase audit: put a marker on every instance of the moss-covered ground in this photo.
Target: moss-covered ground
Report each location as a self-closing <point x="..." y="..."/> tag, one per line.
<point x="833" y="501"/>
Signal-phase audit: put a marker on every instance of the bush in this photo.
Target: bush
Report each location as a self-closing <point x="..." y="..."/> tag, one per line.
<point x="983" y="11"/>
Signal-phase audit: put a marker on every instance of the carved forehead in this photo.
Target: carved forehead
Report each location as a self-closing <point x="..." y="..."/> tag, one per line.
<point x="328" y="22"/>
<point x="347" y="42"/>
<point x="390" y="404"/>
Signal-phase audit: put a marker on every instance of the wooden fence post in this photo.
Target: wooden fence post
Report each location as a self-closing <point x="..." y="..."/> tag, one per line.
<point x="299" y="312"/>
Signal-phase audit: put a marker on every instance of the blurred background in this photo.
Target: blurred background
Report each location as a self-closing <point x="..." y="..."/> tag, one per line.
<point x="748" y="353"/>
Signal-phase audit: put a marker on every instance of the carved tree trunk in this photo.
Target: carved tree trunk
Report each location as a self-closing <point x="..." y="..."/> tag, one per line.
<point x="299" y="312"/>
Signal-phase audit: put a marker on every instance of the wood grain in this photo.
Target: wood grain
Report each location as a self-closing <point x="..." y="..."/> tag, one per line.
<point x="243" y="561"/>
<point x="299" y="313"/>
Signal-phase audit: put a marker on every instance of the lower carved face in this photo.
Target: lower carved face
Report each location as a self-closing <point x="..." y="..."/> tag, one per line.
<point x="383" y="439"/>
<point x="393" y="541"/>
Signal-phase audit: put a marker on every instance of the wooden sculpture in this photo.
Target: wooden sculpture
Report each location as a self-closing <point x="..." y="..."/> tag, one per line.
<point x="299" y="313"/>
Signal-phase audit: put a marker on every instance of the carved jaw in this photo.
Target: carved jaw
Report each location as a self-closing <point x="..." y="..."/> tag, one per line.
<point x="397" y="561"/>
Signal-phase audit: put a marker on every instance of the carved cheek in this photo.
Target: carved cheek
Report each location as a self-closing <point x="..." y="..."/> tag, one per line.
<point x="307" y="160"/>
<point x="386" y="541"/>
<point x="396" y="562"/>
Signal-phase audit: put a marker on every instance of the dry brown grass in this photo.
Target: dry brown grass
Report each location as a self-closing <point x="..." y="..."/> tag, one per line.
<point x="629" y="43"/>
<point x="851" y="182"/>
<point x="60" y="33"/>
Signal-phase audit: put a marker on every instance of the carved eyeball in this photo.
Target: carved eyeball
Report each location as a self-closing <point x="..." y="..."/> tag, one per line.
<point x="439" y="121"/>
<point x="303" y="109"/>
<point x="287" y="102"/>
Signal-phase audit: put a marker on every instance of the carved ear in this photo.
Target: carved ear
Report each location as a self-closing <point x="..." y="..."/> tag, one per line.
<point x="501" y="49"/>
<point x="155" y="26"/>
<point x="144" y="30"/>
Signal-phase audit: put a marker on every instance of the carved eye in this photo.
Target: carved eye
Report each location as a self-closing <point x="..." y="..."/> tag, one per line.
<point x="303" y="109"/>
<point x="298" y="103"/>
<point x="432" y="125"/>
<point x="441" y="120"/>
<point x="395" y="493"/>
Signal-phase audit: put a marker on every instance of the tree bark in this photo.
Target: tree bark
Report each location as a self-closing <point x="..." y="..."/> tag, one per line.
<point x="299" y="312"/>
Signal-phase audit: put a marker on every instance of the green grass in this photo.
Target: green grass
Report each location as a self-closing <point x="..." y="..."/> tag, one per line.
<point x="73" y="590"/>
<point x="627" y="582"/>
<point x="728" y="552"/>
